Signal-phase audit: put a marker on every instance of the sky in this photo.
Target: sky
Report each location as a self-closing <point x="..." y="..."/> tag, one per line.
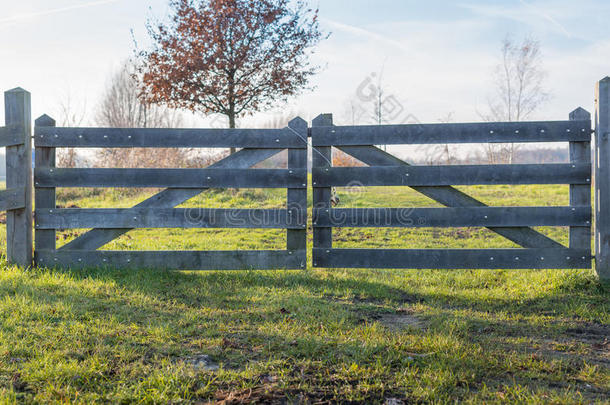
<point x="436" y="58"/>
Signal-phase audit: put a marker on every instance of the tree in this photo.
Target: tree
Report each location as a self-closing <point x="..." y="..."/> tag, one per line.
<point x="69" y="116"/>
<point x="232" y="57"/>
<point x="519" y="87"/>
<point x="122" y="107"/>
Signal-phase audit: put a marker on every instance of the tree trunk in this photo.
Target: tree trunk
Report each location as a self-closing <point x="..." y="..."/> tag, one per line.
<point x="232" y="125"/>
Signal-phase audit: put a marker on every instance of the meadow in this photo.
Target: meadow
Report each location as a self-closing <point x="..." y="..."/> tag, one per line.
<point x="305" y="336"/>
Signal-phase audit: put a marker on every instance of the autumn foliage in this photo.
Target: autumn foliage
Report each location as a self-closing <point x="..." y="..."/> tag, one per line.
<point x="232" y="57"/>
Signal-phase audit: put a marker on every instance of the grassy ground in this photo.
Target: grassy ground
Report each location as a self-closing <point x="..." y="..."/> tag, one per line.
<point x="310" y="336"/>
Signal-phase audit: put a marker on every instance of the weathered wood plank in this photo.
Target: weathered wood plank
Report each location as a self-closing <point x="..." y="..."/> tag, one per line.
<point x="484" y="132"/>
<point x="12" y="199"/>
<point x="580" y="195"/>
<point x="451" y="197"/>
<point x="296" y="198"/>
<point x="577" y="173"/>
<point x="17" y="113"/>
<point x="44" y="197"/>
<point x="166" y="138"/>
<point x="173" y="260"/>
<point x="321" y="159"/>
<point x="602" y="179"/>
<point x="108" y="218"/>
<point x="172" y="197"/>
<point x="454" y="258"/>
<point x="453" y="217"/>
<point x="182" y="178"/>
<point x="11" y="136"/>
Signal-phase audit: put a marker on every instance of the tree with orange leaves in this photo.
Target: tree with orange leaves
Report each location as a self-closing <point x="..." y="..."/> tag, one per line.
<point x="232" y="57"/>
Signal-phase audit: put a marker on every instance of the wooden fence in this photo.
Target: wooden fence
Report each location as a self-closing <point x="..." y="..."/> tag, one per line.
<point x="436" y="182"/>
<point x="16" y="199"/>
<point x="180" y="185"/>
<point x="514" y="223"/>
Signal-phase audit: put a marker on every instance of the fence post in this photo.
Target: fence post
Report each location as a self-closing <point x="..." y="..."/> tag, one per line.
<point x="44" y="197"/>
<point x="580" y="194"/>
<point x="296" y="239"/>
<point x="17" y="113"/>
<point x="602" y="179"/>
<point x="321" y="157"/>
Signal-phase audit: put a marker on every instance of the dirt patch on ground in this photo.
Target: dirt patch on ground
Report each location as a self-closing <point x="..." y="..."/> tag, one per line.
<point x="401" y="320"/>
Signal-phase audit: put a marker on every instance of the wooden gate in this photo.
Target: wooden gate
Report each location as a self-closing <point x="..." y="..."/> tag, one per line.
<point x="180" y="185"/>
<point x="514" y="223"/>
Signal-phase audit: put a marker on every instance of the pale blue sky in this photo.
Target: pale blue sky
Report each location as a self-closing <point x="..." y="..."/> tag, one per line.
<point x="437" y="55"/>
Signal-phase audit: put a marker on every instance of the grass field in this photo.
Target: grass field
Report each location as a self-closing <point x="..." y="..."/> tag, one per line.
<point x="310" y="336"/>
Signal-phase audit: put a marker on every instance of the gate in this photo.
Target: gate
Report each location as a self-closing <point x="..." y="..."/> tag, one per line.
<point x="513" y="223"/>
<point x="180" y="185"/>
<point x="236" y="171"/>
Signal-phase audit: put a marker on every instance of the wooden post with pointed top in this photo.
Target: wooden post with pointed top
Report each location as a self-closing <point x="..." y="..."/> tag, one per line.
<point x="17" y="114"/>
<point x="321" y="157"/>
<point x="296" y="239"/>
<point x="580" y="194"/>
<point x="45" y="197"/>
<point x="602" y="179"/>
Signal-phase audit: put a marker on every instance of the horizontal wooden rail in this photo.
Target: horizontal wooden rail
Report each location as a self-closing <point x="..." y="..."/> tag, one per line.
<point x="171" y="178"/>
<point x="452" y="217"/>
<point x="108" y="218"/>
<point x="500" y="132"/>
<point x="12" y="199"/>
<point x="11" y="136"/>
<point x="167" y="138"/>
<point x="453" y="175"/>
<point x="174" y="260"/>
<point x="454" y="258"/>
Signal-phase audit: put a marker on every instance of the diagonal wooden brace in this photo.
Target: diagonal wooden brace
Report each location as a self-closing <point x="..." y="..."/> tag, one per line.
<point x="451" y="197"/>
<point x="169" y="198"/>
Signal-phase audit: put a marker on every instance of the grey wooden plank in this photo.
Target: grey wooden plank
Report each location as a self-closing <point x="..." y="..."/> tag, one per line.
<point x="44" y="197"/>
<point x="296" y="203"/>
<point x="182" y="178"/>
<point x="17" y="113"/>
<point x="484" y="132"/>
<point x="453" y="217"/>
<point x="321" y="159"/>
<point x="172" y="197"/>
<point x="11" y="199"/>
<point x="166" y="138"/>
<point x="577" y="173"/>
<point x="602" y="179"/>
<point x="455" y="258"/>
<point x="173" y="260"/>
<point x="11" y="135"/>
<point x="580" y="195"/>
<point x="108" y="218"/>
<point x="451" y="197"/>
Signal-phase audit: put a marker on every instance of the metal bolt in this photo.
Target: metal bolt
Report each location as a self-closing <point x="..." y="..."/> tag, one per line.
<point x="135" y="218"/>
<point x="588" y="179"/>
<point x="80" y="260"/>
<point x="568" y="258"/>
<point x="314" y="183"/>
<point x="491" y="258"/>
<point x="332" y="131"/>
<point x="517" y="258"/>
<point x="517" y="131"/>
<point x="542" y="258"/>
<point x="485" y="217"/>
<point x="328" y="251"/>
<point x="289" y="253"/>
<point x="277" y="140"/>
<point x="567" y="130"/>
<point x="326" y="169"/>
<point x="304" y="185"/>
<point x="542" y="131"/>
<point x="56" y="136"/>
<point x="80" y="136"/>
<point x="290" y="171"/>
<point x="583" y="258"/>
<point x="51" y="170"/>
<point x="209" y="178"/>
<point x="491" y="132"/>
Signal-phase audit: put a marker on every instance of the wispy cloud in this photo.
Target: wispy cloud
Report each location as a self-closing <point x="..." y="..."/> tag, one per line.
<point x="25" y="16"/>
<point x="546" y="16"/>
<point x="358" y="31"/>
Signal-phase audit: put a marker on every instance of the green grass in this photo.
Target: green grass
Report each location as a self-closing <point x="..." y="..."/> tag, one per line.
<point x="309" y="336"/>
